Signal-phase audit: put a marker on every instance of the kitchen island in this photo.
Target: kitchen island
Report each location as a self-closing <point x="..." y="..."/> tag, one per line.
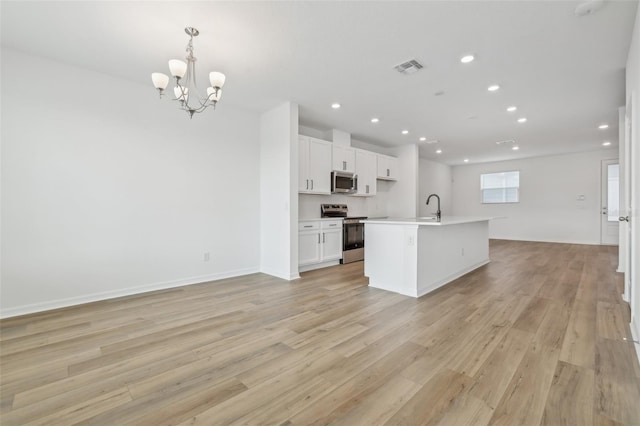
<point x="415" y="256"/>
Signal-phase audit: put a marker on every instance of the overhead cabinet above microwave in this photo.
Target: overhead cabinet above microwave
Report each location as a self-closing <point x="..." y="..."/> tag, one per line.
<point x="344" y="159"/>
<point x="314" y="165"/>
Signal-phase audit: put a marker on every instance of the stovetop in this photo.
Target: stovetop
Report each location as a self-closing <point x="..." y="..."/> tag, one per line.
<point x="338" y="210"/>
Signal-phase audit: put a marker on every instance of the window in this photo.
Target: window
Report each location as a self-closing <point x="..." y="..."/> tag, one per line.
<point x="500" y="187"/>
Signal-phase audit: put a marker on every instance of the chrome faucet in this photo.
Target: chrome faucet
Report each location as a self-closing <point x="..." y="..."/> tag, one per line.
<point x="438" y="213"/>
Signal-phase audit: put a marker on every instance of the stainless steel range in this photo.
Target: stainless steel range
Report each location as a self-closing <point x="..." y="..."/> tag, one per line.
<point x="352" y="231"/>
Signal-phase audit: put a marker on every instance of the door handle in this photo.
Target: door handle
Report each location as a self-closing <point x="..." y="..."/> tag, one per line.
<point x="307" y="183"/>
<point x="344" y="165"/>
<point x="323" y="240"/>
<point x="623" y="218"/>
<point x="318" y="238"/>
<point x="312" y="184"/>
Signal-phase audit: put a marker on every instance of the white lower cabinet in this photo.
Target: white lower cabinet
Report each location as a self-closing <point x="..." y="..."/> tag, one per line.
<point x="319" y="243"/>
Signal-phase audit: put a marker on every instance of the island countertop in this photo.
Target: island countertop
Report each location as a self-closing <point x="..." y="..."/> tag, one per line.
<point x="429" y="221"/>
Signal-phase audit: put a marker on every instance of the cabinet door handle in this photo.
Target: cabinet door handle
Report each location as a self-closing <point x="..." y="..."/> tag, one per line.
<point x="318" y="238"/>
<point x="367" y="189"/>
<point x="308" y="226"/>
<point x="387" y="172"/>
<point x="307" y="183"/>
<point x="323" y="239"/>
<point x="344" y="165"/>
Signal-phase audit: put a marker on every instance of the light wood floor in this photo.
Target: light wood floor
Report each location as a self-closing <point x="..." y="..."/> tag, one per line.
<point x="535" y="337"/>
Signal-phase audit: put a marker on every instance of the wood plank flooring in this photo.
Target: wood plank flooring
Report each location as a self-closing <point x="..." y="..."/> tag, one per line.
<point x="533" y="338"/>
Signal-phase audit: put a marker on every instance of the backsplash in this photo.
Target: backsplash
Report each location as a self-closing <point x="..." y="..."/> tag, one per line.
<point x="309" y="205"/>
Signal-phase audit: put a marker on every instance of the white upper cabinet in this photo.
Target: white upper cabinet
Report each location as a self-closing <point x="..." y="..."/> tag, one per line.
<point x="314" y="165"/>
<point x="387" y="167"/>
<point x="344" y="159"/>
<point x="366" y="164"/>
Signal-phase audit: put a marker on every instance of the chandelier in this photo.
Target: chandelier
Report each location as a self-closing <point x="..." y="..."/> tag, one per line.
<point x="185" y="90"/>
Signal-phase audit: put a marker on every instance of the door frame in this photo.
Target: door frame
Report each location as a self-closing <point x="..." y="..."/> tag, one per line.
<point x="604" y="201"/>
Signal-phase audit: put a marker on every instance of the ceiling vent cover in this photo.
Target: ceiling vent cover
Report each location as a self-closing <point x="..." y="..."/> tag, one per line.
<point x="409" y="67"/>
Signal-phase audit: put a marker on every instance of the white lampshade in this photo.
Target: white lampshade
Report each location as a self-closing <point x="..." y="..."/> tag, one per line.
<point x="212" y="96"/>
<point x="216" y="79"/>
<point x="160" y="80"/>
<point x="177" y="68"/>
<point x="178" y="92"/>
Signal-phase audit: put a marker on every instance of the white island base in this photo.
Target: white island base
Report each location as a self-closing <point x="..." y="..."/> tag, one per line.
<point x="416" y="256"/>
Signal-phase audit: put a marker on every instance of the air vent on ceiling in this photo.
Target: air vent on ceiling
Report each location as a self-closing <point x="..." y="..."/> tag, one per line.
<point x="409" y="67"/>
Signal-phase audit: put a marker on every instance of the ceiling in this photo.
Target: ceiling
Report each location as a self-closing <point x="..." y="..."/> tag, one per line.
<point x="564" y="73"/>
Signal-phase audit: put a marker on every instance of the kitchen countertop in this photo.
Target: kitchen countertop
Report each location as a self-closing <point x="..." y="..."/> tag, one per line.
<point x="320" y="219"/>
<point x="428" y="221"/>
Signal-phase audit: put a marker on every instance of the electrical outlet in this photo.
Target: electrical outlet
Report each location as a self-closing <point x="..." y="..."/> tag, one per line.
<point x="207" y="256"/>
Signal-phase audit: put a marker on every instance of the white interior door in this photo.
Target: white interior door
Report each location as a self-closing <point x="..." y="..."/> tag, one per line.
<point x="632" y="175"/>
<point x="610" y="197"/>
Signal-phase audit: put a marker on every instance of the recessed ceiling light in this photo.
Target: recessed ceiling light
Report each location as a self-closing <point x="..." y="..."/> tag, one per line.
<point x="467" y="58"/>
<point x="335" y="105"/>
<point x="375" y="120"/>
<point x="493" y="88"/>
<point x="438" y="151"/>
<point x="606" y="143"/>
<point x="466" y="160"/>
<point x="422" y="139"/>
<point x="603" y="126"/>
<point x="522" y="120"/>
<point x="438" y="93"/>
<point x="512" y="108"/>
<point x="405" y="132"/>
<point x="515" y="147"/>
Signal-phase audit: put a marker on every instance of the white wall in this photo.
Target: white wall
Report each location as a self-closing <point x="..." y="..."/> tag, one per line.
<point x="548" y="209"/>
<point x="633" y="88"/>
<point x="107" y="191"/>
<point x="434" y="178"/>
<point x="278" y="191"/>
<point x="403" y="198"/>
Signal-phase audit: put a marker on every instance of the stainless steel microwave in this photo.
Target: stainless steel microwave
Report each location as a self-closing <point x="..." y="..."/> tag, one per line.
<point x="344" y="183"/>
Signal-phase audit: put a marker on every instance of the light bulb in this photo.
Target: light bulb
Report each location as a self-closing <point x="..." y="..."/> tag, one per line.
<point x="160" y="80"/>
<point x="217" y="79"/>
<point x="179" y="93"/>
<point x="212" y="95"/>
<point x="177" y="68"/>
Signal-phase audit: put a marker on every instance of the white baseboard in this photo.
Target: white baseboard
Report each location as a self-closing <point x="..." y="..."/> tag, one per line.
<point x="95" y="297"/>
<point x="305" y="268"/>
<point x="635" y="334"/>
<point x="447" y="280"/>
<point x="536" y="240"/>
